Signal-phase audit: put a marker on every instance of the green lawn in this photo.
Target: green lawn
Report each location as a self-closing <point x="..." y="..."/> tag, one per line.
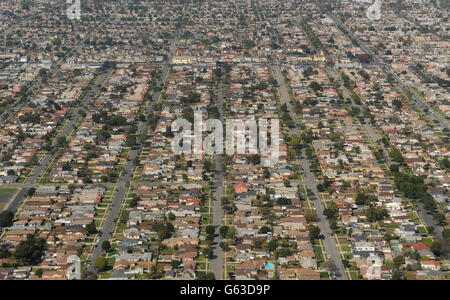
<point x="8" y="191"/>
<point x="427" y="242"/>
<point x="355" y="276"/>
<point x="346" y="248"/>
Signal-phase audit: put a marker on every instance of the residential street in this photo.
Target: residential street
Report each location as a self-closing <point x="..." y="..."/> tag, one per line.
<point x="427" y="218"/>
<point x="217" y="262"/>
<point x="49" y="156"/>
<point x="311" y="183"/>
<point x="416" y="98"/>
<point x="122" y="188"/>
<point x="332" y="161"/>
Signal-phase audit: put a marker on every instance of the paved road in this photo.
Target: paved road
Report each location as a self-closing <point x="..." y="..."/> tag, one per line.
<point x="426" y="77"/>
<point x="48" y="157"/>
<point x="386" y="69"/>
<point x="149" y="184"/>
<point x="217" y="262"/>
<point x="14" y="108"/>
<point x="371" y="132"/>
<point x="311" y="183"/>
<point x="427" y="218"/>
<point x="429" y="221"/>
<point x="15" y="203"/>
<point x="37" y="172"/>
<point x="119" y="196"/>
<point x="369" y="129"/>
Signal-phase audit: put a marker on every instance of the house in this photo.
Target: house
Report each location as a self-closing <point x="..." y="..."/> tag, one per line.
<point x="240" y="188"/>
<point x="430" y="265"/>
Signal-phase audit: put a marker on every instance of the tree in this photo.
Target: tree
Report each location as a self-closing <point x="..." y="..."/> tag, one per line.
<point x="255" y="159"/>
<point x="396" y="156"/>
<point x="38" y="273"/>
<point x="398" y="261"/>
<point x="206" y="276"/>
<point x="34" y="160"/>
<point x="314" y="232"/>
<point x="264" y="229"/>
<point x="61" y="142"/>
<point x="346" y="263"/>
<point x="310" y="216"/>
<point x="106" y="246"/>
<point x="31" y="192"/>
<point x="210" y="230"/>
<point x="223" y="231"/>
<point x="248" y="43"/>
<point x="394" y="168"/>
<point x="436" y="248"/>
<point x="231" y="234"/>
<point x="175" y="264"/>
<point x="142" y="138"/>
<point x="330" y="213"/>
<point x="272" y="245"/>
<point x="6" y="218"/>
<point x="429" y="204"/>
<point x="376" y="214"/>
<point x="209" y="239"/>
<point x="30" y="250"/>
<point x="208" y="252"/>
<point x="207" y="165"/>
<point x="439" y="218"/>
<point x="134" y="202"/>
<point x="171" y="216"/>
<point x="91" y="228"/>
<point x="131" y="141"/>
<point x="224" y="246"/>
<point x="361" y="198"/>
<point x="4" y="253"/>
<point x="446" y="162"/>
<point x="315" y="86"/>
<point x="320" y="188"/>
<point x="333" y="225"/>
<point x="397" y="275"/>
<point x="284" y="201"/>
<point x="446" y="234"/>
<point x="397" y="104"/>
<point x="164" y="230"/>
<point x="101" y="264"/>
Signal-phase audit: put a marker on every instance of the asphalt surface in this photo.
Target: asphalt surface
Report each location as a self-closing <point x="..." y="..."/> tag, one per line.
<point x="113" y="214"/>
<point x="48" y="157"/>
<point x="427" y="218"/>
<point x="217" y="262"/>
<point x="15" y="203"/>
<point x="369" y="130"/>
<point x="43" y="164"/>
<point x="37" y="172"/>
<point x="429" y="221"/>
<point x="386" y="69"/>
